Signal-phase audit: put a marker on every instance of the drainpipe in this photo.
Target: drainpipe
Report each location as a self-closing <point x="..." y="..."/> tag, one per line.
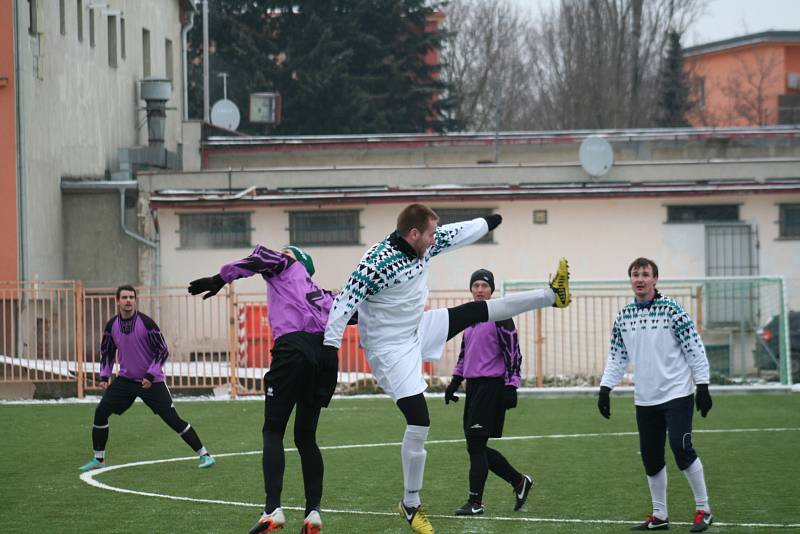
<point x="22" y="234"/>
<point x="141" y="239"/>
<point x="184" y="34"/>
<point x="205" y="62"/>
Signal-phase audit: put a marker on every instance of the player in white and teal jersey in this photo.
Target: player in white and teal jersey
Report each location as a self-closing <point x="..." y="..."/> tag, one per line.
<point x="389" y="289"/>
<point x="655" y="335"/>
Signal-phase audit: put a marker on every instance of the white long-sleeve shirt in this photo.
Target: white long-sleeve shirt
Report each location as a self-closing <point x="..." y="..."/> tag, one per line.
<point x="662" y="343"/>
<point x="389" y="287"/>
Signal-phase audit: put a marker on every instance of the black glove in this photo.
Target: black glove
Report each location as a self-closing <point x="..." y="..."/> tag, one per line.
<point x="510" y="397"/>
<point x="604" y="402"/>
<point x="211" y="285"/>
<point x="703" y="399"/>
<point x="450" y="392"/>
<point x="328" y="374"/>
<point x="493" y="220"/>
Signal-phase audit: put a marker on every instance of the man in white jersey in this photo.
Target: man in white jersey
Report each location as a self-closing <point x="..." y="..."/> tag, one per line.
<point x="389" y="289"/>
<point x="656" y="336"/>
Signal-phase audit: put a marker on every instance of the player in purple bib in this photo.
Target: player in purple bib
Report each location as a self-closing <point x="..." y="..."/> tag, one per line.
<point x="490" y="360"/>
<point x="299" y="375"/>
<point x="134" y="339"/>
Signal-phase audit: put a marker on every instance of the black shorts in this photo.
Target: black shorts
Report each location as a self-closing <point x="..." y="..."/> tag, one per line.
<point x="484" y="412"/>
<point x="121" y="393"/>
<point x="293" y="377"/>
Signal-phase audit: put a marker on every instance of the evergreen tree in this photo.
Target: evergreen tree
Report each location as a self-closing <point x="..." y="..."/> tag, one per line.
<point x="341" y="66"/>
<point x="673" y="99"/>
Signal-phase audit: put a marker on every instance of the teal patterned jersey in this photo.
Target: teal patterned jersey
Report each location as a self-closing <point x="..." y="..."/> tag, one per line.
<point x="389" y="288"/>
<point x="662" y="344"/>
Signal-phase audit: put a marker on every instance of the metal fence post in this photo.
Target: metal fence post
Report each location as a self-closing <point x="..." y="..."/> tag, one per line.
<point x="233" y="345"/>
<point x="80" y="311"/>
<point x="539" y="348"/>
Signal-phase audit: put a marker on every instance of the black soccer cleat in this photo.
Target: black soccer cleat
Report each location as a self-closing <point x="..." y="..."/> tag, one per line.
<point x="521" y="492"/>
<point x="701" y="522"/>
<point x="470" y="508"/>
<point x="652" y="523"/>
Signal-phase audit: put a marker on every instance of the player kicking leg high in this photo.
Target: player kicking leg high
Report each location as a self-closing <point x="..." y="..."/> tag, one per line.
<point x="389" y="290"/>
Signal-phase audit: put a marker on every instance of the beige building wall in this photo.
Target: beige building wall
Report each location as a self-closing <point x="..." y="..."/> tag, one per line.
<point x="77" y="110"/>
<point x="600" y="237"/>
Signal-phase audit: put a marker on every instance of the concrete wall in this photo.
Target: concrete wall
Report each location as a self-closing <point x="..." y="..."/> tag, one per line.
<point x="78" y="110"/>
<point x="599" y="237"/>
<point x="96" y="250"/>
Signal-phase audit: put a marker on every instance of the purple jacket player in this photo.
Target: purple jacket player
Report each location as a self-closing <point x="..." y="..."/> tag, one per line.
<point x="490" y="361"/>
<point x="300" y="375"/>
<point x="134" y="339"/>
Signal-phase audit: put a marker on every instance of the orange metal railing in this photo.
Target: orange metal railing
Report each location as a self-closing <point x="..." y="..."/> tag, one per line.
<point x="51" y="332"/>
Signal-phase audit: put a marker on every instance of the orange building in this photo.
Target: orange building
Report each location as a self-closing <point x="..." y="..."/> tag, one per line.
<point x="8" y="148"/>
<point x="752" y="80"/>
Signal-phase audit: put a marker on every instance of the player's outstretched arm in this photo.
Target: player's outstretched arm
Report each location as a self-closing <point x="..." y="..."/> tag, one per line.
<point x="456" y="235"/>
<point x="208" y="286"/>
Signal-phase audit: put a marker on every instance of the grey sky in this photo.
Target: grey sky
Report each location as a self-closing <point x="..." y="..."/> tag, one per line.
<point x="726" y="18"/>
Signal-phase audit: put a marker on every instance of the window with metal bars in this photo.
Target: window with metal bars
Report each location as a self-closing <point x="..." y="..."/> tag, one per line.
<point x="789" y="221"/>
<point x="703" y="213"/>
<point x="324" y="228"/>
<point x="214" y="230"/>
<point x="451" y="215"/>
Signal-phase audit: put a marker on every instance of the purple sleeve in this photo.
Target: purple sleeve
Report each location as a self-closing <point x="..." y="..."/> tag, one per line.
<point x="509" y="345"/>
<point x="458" y="370"/>
<point x="156" y="344"/>
<point x="262" y="260"/>
<point x="108" y="352"/>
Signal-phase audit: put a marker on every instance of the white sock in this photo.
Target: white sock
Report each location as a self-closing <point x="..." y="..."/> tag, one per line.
<point x="697" y="481"/>
<point x="516" y="303"/>
<point x="658" y="493"/>
<point x="413" y="454"/>
<point x="201" y="451"/>
<point x="100" y="455"/>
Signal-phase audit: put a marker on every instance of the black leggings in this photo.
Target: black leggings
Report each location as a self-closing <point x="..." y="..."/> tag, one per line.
<point x="483" y="459"/>
<point x="466" y="315"/>
<point x="673" y="418"/>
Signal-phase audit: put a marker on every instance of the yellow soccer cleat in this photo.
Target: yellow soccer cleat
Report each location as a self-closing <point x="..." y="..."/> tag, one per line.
<point x="560" y="285"/>
<point x="416" y="518"/>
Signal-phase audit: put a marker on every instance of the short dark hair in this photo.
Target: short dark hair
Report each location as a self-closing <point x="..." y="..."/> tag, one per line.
<point x="415" y="216"/>
<point x="126" y="287"/>
<point x="643" y="262"/>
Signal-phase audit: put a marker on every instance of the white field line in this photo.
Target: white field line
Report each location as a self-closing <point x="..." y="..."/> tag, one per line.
<point x="89" y="478"/>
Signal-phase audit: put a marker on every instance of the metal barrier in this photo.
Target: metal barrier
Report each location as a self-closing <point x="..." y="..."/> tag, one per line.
<point x="40" y="331"/>
<point x="51" y="332"/>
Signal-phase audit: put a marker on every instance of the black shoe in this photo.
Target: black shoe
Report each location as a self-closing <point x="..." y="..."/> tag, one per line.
<point x="470" y="508"/>
<point x="652" y="523"/>
<point x="521" y="492"/>
<point x="701" y="521"/>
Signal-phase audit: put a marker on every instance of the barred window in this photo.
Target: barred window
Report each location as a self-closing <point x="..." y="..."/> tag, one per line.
<point x="789" y="221"/>
<point x="324" y="228"/>
<point x="451" y="215"/>
<point x="215" y="230"/>
<point x="703" y="213"/>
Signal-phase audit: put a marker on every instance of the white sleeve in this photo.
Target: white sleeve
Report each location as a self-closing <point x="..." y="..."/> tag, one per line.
<point x="693" y="349"/>
<point x="617" y="358"/>
<point x="364" y="281"/>
<point x="456" y="235"/>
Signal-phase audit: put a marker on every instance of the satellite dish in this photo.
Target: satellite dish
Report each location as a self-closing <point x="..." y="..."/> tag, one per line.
<point x="596" y="156"/>
<point x="225" y="114"/>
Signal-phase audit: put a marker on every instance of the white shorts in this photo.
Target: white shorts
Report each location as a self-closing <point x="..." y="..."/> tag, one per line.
<point x="398" y="369"/>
